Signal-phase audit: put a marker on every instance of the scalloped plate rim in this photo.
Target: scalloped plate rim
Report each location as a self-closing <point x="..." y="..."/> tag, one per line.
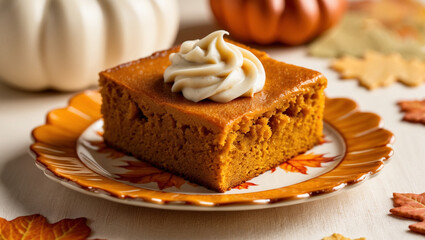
<point x="188" y="207"/>
<point x="230" y="206"/>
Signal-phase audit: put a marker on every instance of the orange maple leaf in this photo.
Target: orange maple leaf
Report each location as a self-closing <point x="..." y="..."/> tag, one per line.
<point x="244" y="185"/>
<point x="410" y="205"/>
<point x="101" y="147"/>
<point x="337" y="236"/>
<point x="141" y="172"/>
<point x="301" y="162"/>
<point x="323" y="140"/>
<point x="36" y="227"/>
<point x="414" y="111"/>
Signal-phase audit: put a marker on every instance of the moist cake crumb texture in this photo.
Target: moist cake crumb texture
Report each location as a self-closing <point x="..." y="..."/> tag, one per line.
<point x="192" y="140"/>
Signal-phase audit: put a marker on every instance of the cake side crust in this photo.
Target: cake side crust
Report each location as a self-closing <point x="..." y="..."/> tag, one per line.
<point x="188" y="151"/>
<point x="144" y="78"/>
<point x="218" y="145"/>
<point x="254" y="145"/>
<point x="258" y="145"/>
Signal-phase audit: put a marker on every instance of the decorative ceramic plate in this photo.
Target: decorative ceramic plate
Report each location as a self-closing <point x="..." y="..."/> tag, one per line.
<point x="69" y="149"/>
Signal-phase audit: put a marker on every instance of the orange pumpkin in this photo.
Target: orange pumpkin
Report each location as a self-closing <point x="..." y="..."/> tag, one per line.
<point x="287" y="21"/>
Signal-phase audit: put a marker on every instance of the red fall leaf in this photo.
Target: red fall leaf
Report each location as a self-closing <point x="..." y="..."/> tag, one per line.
<point x="323" y="140"/>
<point x="102" y="148"/>
<point x="245" y="185"/>
<point x="410" y="205"/>
<point x="414" y="111"/>
<point x="141" y="172"/>
<point x="300" y="163"/>
<point x="36" y="227"/>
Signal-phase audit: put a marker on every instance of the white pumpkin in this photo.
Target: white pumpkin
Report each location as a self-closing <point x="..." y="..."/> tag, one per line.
<point x="63" y="44"/>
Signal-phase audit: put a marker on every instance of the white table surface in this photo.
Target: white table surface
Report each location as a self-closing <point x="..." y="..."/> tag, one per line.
<point x="360" y="212"/>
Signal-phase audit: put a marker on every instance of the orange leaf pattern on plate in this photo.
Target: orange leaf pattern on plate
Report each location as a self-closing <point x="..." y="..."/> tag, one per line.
<point x="36" y="227"/>
<point x="245" y="185"/>
<point x="102" y="148"/>
<point x="324" y="140"/>
<point x="368" y="147"/>
<point x="414" y="111"/>
<point x="141" y="172"/>
<point x="410" y="205"/>
<point x="301" y="162"/>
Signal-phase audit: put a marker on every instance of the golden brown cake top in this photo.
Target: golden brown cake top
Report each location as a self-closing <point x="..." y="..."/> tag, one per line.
<point x="144" y="79"/>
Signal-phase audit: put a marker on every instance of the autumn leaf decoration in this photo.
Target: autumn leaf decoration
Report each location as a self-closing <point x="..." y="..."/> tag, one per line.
<point x="37" y="227"/>
<point x="414" y="111"/>
<point x="323" y="140"/>
<point x="410" y="205"/>
<point x="141" y="172"/>
<point x="337" y="236"/>
<point x="301" y="162"/>
<point x="101" y="147"/>
<point x="245" y="185"/>
<point x="378" y="70"/>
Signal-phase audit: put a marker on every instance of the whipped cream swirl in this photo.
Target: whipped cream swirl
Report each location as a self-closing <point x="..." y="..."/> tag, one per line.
<point x="215" y="69"/>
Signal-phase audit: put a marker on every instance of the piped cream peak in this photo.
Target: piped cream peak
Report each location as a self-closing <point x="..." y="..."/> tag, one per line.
<point x="215" y="69"/>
